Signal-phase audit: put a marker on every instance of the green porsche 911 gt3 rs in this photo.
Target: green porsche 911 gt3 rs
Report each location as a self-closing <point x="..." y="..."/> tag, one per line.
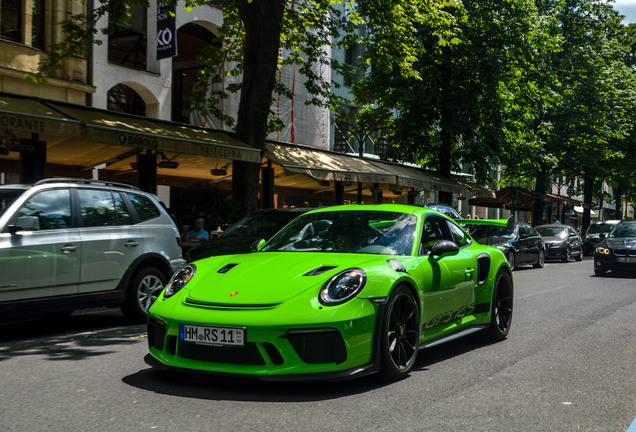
<point x="340" y="292"/>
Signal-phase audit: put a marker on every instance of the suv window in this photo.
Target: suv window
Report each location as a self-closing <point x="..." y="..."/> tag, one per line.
<point x="52" y="209"/>
<point x="98" y="208"/>
<point x="145" y="208"/>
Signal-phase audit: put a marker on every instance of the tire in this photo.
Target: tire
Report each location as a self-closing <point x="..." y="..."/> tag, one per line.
<point x="600" y="272"/>
<point x="400" y="334"/>
<point x="579" y="257"/>
<point x="568" y="255"/>
<point x="540" y="259"/>
<point x="511" y="260"/>
<point x="501" y="307"/>
<point x="145" y="286"/>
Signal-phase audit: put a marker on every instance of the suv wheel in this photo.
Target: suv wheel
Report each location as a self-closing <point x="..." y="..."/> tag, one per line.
<point x="145" y="286"/>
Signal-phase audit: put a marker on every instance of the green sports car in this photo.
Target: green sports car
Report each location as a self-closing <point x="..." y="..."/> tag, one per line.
<point x="338" y="293"/>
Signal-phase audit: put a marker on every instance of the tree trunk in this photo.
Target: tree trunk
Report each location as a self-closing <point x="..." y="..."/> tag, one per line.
<point x="539" y="206"/>
<point x="588" y="190"/>
<point x="446" y="120"/>
<point x="263" y="22"/>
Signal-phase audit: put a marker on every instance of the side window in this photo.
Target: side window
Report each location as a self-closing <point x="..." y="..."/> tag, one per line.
<point x="123" y="216"/>
<point x="98" y="207"/>
<point x="434" y="230"/>
<point x="459" y="236"/>
<point x="47" y="210"/>
<point x="144" y="206"/>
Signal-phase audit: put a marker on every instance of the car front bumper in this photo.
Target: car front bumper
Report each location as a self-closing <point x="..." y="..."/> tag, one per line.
<point x="274" y="349"/>
<point x="613" y="262"/>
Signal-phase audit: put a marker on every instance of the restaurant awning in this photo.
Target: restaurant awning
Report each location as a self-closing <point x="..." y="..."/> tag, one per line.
<point x="107" y="127"/>
<point x="413" y="177"/>
<point x="325" y="165"/>
<point x="32" y="116"/>
<point x="518" y="198"/>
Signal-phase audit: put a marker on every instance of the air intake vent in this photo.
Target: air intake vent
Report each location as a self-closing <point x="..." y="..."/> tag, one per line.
<point x="227" y="268"/>
<point x="319" y="270"/>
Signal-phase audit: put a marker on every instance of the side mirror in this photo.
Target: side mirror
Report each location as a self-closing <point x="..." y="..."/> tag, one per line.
<point x="444" y="247"/>
<point x="25" y="223"/>
<point x="257" y="245"/>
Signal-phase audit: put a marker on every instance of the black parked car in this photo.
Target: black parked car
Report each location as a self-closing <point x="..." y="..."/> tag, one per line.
<point x="518" y="241"/>
<point x="444" y="208"/>
<point x="562" y="242"/>
<point x="616" y="251"/>
<point x="593" y="235"/>
<point x="239" y="237"/>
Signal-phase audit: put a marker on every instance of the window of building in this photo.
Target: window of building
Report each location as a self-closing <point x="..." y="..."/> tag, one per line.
<point x="11" y="20"/>
<point x="123" y="99"/>
<point x="37" y="24"/>
<point x="127" y="45"/>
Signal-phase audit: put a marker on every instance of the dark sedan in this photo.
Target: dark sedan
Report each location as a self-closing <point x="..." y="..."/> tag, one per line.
<point x="593" y="235"/>
<point x="239" y="237"/>
<point x="518" y="241"/>
<point x="562" y="242"/>
<point x="616" y="251"/>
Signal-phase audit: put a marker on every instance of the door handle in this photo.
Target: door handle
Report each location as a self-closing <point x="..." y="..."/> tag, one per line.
<point x="132" y="243"/>
<point x="68" y="248"/>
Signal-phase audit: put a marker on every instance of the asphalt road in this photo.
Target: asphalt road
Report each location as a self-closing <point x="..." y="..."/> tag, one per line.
<point x="569" y="364"/>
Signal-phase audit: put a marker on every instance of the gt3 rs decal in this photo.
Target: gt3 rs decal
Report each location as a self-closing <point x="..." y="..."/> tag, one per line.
<point x="450" y="316"/>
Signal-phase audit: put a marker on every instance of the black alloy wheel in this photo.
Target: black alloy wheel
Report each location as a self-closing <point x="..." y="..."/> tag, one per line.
<point x="501" y="307"/>
<point x="511" y="260"/>
<point x="400" y="334"/>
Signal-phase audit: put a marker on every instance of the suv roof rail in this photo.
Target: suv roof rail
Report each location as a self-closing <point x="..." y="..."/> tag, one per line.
<point x="85" y="181"/>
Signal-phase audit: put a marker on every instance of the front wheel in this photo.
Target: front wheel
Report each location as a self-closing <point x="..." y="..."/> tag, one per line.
<point x="400" y="334"/>
<point x="145" y="286"/>
<point x="501" y="307"/>
<point x="540" y="259"/>
<point x="568" y="255"/>
<point x="511" y="260"/>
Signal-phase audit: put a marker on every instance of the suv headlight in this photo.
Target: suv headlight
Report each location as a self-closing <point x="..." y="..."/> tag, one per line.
<point x="343" y="287"/>
<point x="602" y="251"/>
<point x="179" y="280"/>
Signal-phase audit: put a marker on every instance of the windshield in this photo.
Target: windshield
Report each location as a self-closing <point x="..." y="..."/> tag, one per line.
<point x="624" y="230"/>
<point x="7" y="196"/>
<point x="260" y="224"/>
<point x="491" y="234"/>
<point x="600" y="228"/>
<point x="368" y="232"/>
<point x="552" y="231"/>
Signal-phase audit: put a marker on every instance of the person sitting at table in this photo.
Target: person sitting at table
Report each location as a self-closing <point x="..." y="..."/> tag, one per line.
<point x="197" y="233"/>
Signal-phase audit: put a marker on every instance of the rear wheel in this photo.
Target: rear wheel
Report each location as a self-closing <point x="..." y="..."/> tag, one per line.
<point x="145" y="286"/>
<point x="400" y="334"/>
<point x="501" y="307"/>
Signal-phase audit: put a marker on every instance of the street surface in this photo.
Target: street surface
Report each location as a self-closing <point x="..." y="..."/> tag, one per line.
<point x="569" y="364"/>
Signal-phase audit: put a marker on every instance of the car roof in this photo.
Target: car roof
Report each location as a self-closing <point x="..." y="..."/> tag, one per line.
<point x="609" y="222"/>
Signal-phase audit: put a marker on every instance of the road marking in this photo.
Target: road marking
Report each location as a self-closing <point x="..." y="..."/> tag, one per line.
<point x="543" y="292"/>
<point x="632" y="428"/>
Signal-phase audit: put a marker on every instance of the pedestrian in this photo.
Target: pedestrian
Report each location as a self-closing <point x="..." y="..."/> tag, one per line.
<point x="555" y="220"/>
<point x="197" y="233"/>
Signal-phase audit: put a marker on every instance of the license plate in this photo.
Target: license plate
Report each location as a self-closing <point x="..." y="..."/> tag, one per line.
<point x="212" y="335"/>
<point x="626" y="259"/>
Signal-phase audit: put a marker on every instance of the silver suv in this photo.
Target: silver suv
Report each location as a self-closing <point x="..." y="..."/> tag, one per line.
<point x="74" y="243"/>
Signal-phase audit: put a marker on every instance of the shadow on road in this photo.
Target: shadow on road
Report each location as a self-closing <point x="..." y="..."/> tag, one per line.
<point x="74" y="337"/>
<point x="211" y="387"/>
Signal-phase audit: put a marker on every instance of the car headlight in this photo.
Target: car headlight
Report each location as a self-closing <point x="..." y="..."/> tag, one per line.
<point x="602" y="251"/>
<point x="343" y="287"/>
<point x="179" y="280"/>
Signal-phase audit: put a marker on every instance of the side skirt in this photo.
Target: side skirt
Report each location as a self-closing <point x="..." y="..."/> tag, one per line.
<point x="453" y="336"/>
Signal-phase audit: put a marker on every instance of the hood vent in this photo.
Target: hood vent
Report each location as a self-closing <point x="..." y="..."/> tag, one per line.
<point x="319" y="270"/>
<point x="227" y="268"/>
